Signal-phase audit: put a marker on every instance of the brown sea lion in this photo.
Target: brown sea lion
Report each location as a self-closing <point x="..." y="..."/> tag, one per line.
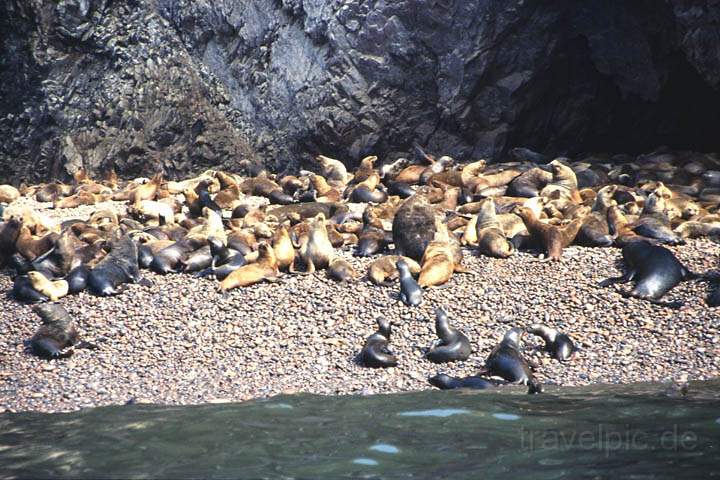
<point x="553" y="238"/>
<point x="8" y="194"/>
<point x="316" y="251"/>
<point x="595" y="231"/>
<point x="283" y="248"/>
<point x="341" y="270"/>
<point x="383" y="270"/>
<point x="491" y="239"/>
<point x="54" y="290"/>
<point x="31" y="247"/>
<point x="146" y="191"/>
<point x="265" y="268"/>
<point x="333" y="170"/>
<point x="563" y="183"/>
<point x="442" y="258"/>
<point x="654" y="222"/>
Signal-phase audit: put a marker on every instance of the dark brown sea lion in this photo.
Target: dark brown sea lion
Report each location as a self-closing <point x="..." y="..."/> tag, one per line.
<point x="375" y="352"/>
<point x="117" y="267"/>
<point x="553" y="238"/>
<point x="414" y="227"/>
<point x="56" y="334"/>
<point x="530" y="183"/>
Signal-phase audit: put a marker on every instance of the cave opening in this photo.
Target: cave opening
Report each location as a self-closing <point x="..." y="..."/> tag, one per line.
<point x="583" y="111"/>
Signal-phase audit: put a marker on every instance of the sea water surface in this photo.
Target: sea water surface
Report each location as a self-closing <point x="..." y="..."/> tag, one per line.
<point x="634" y="431"/>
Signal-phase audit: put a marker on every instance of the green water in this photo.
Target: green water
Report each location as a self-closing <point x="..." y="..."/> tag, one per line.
<point x="613" y="432"/>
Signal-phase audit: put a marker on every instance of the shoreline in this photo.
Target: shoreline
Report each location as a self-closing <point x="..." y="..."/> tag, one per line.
<point x="182" y="342"/>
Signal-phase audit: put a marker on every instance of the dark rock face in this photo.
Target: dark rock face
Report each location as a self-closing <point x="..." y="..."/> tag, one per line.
<point x="182" y="85"/>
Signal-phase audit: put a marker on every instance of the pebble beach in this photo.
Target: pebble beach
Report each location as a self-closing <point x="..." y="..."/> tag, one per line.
<point x="180" y="341"/>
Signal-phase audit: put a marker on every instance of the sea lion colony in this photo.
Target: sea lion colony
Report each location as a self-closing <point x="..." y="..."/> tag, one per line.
<point x="416" y="217"/>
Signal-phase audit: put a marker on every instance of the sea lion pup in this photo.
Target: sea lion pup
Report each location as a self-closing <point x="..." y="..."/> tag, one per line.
<point x="340" y="270"/>
<point x="563" y="183"/>
<point x="446" y="382"/>
<point x="383" y="270"/>
<point x="453" y="345"/>
<point x="560" y="345"/>
<point x="54" y="290"/>
<point x="655" y="270"/>
<point x="265" y="268"/>
<point x="553" y="238"/>
<point x="146" y="191"/>
<point x="24" y="291"/>
<point x="595" y="231"/>
<point x="117" y="267"/>
<point x="333" y="170"/>
<point x="654" y="223"/>
<point x="529" y="183"/>
<point x="490" y="236"/>
<point x="410" y="291"/>
<point x="414" y="227"/>
<point x="375" y="352"/>
<point x="8" y="194"/>
<point x="316" y="251"/>
<point x="506" y="361"/>
<point x="56" y="334"/>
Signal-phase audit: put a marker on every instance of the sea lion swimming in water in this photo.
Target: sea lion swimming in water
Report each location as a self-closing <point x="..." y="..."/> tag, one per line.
<point x="375" y="352"/>
<point x="453" y="345"/>
<point x="410" y="291"/>
<point x="56" y="334"/>
<point x="507" y="362"/>
<point x="560" y="346"/>
<point x="655" y="270"/>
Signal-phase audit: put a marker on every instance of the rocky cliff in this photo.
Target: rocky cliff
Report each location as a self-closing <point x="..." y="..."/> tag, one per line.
<point x="182" y="85"/>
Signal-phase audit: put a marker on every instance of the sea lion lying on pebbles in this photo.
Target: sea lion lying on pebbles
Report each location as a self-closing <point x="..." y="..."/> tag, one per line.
<point x="558" y="344"/>
<point x="655" y="270"/>
<point x="265" y="268"/>
<point x="384" y="269"/>
<point x="54" y="290"/>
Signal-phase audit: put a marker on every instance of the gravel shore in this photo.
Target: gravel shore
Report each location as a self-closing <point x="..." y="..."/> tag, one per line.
<point x="182" y="342"/>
